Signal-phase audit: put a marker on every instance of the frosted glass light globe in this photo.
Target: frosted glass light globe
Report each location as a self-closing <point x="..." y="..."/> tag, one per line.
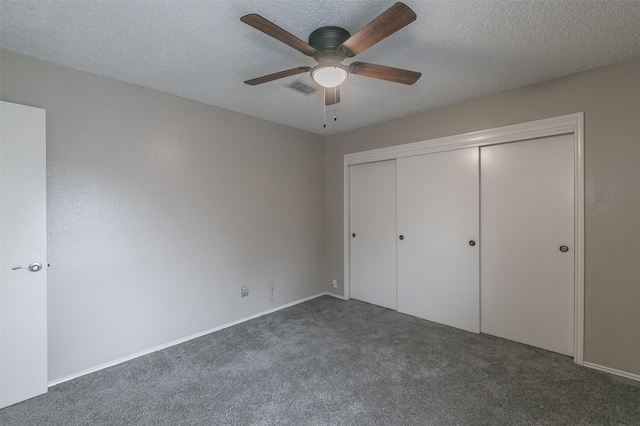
<point x="329" y="76"/>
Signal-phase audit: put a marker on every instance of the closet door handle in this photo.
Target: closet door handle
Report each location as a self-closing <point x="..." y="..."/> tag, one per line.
<point x="353" y="235"/>
<point x="472" y="243"/>
<point x="401" y="237"/>
<point x="564" y="249"/>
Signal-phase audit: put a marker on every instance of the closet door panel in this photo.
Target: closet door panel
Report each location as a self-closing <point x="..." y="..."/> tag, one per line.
<point x="373" y="232"/>
<point x="527" y="215"/>
<point x="438" y="216"/>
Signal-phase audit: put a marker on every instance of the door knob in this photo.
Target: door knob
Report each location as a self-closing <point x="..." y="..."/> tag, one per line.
<point x="401" y="237"/>
<point x="472" y="243"/>
<point x="353" y="235"/>
<point x="34" y="267"/>
<point x="564" y="249"/>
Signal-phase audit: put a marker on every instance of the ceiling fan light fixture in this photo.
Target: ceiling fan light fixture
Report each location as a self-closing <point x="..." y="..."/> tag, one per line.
<point x="329" y="75"/>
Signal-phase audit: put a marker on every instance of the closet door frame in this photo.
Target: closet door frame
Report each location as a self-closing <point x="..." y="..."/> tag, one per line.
<point x="566" y="124"/>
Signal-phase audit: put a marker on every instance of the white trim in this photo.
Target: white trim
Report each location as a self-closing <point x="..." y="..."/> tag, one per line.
<point x="565" y="124"/>
<point x="578" y="341"/>
<point x="625" y="374"/>
<point x="178" y="341"/>
<point x="535" y="129"/>
<point x="337" y="296"/>
<point x="621" y="373"/>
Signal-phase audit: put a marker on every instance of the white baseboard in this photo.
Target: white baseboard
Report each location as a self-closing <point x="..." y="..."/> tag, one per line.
<point x="178" y="341"/>
<point x="625" y="374"/>
<point x="621" y="373"/>
<point x="337" y="296"/>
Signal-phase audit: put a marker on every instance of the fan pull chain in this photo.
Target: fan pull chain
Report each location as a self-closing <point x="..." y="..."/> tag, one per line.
<point x="324" y="107"/>
<point x="335" y="111"/>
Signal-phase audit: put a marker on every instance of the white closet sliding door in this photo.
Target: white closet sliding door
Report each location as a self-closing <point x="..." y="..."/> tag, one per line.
<point x="527" y="271"/>
<point x="438" y="237"/>
<point x="373" y="232"/>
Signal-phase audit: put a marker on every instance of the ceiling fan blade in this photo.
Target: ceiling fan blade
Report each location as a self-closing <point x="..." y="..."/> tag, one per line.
<point x="271" y="29"/>
<point x="396" y="17"/>
<point x="277" y="75"/>
<point x="397" y="75"/>
<point x="331" y="95"/>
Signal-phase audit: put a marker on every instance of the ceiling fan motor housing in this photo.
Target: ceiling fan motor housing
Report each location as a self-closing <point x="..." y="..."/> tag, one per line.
<point x="326" y="41"/>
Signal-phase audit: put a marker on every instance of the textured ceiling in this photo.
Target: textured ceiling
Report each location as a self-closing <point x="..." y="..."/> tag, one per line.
<point x="199" y="49"/>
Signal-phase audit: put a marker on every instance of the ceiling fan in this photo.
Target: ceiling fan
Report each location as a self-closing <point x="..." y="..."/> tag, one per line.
<point x="329" y="46"/>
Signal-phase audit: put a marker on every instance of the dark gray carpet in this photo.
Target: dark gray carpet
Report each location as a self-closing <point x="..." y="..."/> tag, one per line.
<point x="331" y="362"/>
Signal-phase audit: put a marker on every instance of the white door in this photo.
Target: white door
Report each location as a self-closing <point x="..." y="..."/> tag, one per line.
<point x="438" y="245"/>
<point x="23" y="292"/>
<point x="527" y="216"/>
<point x="373" y="232"/>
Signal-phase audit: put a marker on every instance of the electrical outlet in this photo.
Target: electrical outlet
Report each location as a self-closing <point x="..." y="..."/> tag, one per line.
<point x="244" y="291"/>
<point x="334" y="284"/>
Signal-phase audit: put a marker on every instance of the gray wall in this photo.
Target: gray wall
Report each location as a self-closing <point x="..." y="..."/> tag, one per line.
<point x="610" y="99"/>
<point x="241" y="202"/>
<point x="160" y="208"/>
